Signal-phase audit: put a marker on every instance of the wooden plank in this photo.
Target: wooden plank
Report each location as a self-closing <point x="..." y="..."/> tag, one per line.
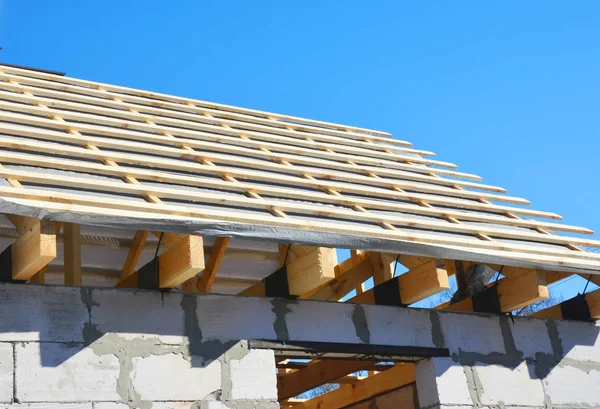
<point x="514" y="293"/>
<point x="291" y="181"/>
<point x="415" y="285"/>
<point x="135" y="250"/>
<point x="22" y="223"/>
<point x="134" y="142"/>
<point x="33" y="250"/>
<point x="511" y="252"/>
<point x="72" y="253"/>
<point x="383" y="267"/>
<point x="309" y="271"/>
<point x="178" y="103"/>
<point x="345" y="395"/>
<point x="181" y="261"/>
<point x="201" y="131"/>
<point x="316" y="374"/>
<point x="214" y="261"/>
<point x="158" y="176"/>
<point x="216" y="198"/>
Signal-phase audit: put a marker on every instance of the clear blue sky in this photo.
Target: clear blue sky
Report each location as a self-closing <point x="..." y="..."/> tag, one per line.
<point x="507" y="90"/>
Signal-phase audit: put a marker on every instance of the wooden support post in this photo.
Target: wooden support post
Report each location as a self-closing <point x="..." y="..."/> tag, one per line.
<point x="177" y="264"/>
<point x="315" y="266"/>
<point x="72" y="253"/>
<point x="383" y="267"/>
<point x="513" y="293"/>
<point x="214" y="261"/>
<point x="135" y="250"/>
<point x="316" y="374"/>
<point x="557" y="311"/>
<point x="34" y="249"/>
<point x="348" y="274"/>
<point x="414" y="285"/>
<point x="393" y="378"/>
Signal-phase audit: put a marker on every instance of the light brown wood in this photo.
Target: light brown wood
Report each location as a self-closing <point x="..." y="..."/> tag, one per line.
<point x="316" y="374"/>
<point x="33" y="250"/>
<point x="72" y="253"/>
<point x="181" y="261"/>
<point x="555" y="312"/>
<point x="313" y="267"/>
<point x="135" y="250"/>
<point x="345" y="395"/>
<point x="214" y="261"/>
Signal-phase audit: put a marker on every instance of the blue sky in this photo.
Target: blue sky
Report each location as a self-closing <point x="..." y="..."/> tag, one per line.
<point x="507" y="90"/>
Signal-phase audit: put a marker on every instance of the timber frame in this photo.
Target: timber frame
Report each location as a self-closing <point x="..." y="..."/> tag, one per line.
<point x="197" y="178"/>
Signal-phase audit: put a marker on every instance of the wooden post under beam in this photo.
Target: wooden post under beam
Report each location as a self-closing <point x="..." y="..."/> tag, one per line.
<point x="316" y="374"/>
<point x="513" y="293"/>
<point x="33" y="250"/>
<point x="345" y="395"/>
<point x="555" y="312"/>
<point x="214" y="261"/>
<point x="135" y="250"/>
<point x="414" y="285"/>
<point x="72" y="253"/>
<point x="310" y="270"/>
<point x="176" y="265"/>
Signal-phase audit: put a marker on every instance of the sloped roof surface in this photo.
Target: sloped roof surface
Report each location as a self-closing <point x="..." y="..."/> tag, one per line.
<point x="78" y="150"/>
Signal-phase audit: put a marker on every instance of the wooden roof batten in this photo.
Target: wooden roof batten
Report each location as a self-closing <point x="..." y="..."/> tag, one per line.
<point x="182" y="161"/>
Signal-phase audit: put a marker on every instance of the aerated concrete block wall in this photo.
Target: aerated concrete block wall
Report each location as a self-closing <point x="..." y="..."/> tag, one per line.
<point x="117" y="349"/>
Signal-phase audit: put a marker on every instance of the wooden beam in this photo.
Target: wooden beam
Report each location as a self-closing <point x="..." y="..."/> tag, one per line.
<point x="555" y="312"/>
<point x="349" y="274"/>
<point x="310" y="270"/>
<point x="22" y="223"/>
<point x="135" y="250"/>
<point x="414" y="285"/>
<point x="214" y="261"/>
<point x="316" y="374"/>
<point x="513" y="293"/>
<point x="181" y="261"/>
<point x="383" y="267"/>
<point x="72" y="253"/>
<point x="345" y="395"/>
<point x="33" y="250"/>
<point x="177" y="264"/>
<point x="169" y="239"/>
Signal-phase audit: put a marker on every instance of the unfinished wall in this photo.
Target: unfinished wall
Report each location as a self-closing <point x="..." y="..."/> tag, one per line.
<point x="114" y="349"/>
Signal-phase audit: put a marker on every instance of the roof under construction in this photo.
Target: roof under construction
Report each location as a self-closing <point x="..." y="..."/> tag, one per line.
<point x="105" y="155"/>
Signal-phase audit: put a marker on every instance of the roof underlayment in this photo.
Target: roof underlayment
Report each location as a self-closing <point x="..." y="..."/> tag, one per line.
<point x="119" y="159"/>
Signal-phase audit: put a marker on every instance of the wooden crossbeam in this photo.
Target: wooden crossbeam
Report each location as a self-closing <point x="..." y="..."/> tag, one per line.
<point x="513" y="293"/>
<point x="316" y="374"/>
<point x="177" y="264"/>
<point x="135" y="250"/>
<point x="214" y="261"/>
<point x="310" y="270"/>
<point x="393" y="378"/>
<point x="414" y="285"/>
<point x="35" y="247"/>
<point x="72" y="253"/>
<point x="556" y="312"/>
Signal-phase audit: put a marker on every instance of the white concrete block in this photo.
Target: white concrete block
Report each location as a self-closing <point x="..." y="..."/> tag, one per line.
<point x="580" y="340"/>
<point x="172" y="377"/>
<point x="510" y="386"/>
<point x="531" y="336"/>
<point x="6" y="372"/>
<point x="147" y="405"/>
<point x="441" y="380"/>
<point x="322" y="322"/>
<point x="387" y="326"/>
<point x="49" y="372"/>
<point x="254" y="376"/>
<point x="143" y="314"/>
<point x="568" y="385"/>
<point x="472" y="333"/>
<point x="41" y="313"/>
<point x="48" y="406"/>
<point x="223" y="318"/>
